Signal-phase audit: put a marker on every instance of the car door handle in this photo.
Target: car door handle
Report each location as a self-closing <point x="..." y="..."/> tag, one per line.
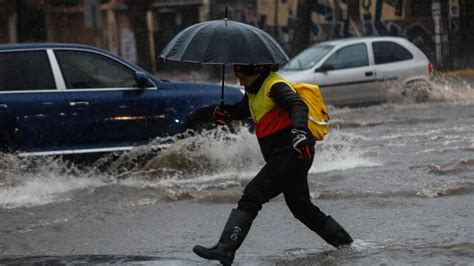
<point x="79" y="104"/>
<point x="3" y="106"/>
<point x="369" y="73"/>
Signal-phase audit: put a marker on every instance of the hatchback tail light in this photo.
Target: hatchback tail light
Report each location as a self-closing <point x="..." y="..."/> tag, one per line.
<point x="430" y="69"/>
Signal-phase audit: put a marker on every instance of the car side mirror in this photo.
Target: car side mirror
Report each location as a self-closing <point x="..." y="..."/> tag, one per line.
<point x="142" y="79"/>
<point x="325" y="68"/>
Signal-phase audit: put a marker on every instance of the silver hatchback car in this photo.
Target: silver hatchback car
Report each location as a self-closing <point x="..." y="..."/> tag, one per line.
<point x="358" y="71"/>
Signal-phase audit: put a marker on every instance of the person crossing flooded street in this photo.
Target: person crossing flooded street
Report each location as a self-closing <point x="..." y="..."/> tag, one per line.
<point x="281" y="125"/>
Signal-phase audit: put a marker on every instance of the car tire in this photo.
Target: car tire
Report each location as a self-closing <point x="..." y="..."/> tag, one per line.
<point x="418" y="90"/>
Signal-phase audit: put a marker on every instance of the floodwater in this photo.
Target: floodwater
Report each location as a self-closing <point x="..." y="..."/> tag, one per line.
<point x="398" y="176"/>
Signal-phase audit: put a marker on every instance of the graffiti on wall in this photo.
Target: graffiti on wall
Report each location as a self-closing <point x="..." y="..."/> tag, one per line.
<point x="375" y="24"/>
<point x="376" y="18"/>
<point x="397" y="4"/>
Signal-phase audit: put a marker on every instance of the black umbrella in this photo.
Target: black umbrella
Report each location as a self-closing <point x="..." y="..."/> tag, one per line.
<point x="224" y="42"/>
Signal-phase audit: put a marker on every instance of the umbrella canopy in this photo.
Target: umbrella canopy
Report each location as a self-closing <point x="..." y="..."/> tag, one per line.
<point x="224" y="42"/>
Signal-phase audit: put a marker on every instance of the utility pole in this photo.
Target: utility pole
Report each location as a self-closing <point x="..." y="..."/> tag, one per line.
<point x="353" y="16"/>
<point x="138" y="10"/>
<point x="93" y="18"/>
<point x="303" y="24"/>
<point x="214" y="10"/>
<point x="436" y="13"/>
<point x="275" y="17"/>
<point x="30" y="22"/>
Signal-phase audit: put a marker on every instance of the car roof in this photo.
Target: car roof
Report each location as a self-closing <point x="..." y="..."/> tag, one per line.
<point x="33" y="46"/>
<point x="17" y="46"/>
<point x="337" y="42"/>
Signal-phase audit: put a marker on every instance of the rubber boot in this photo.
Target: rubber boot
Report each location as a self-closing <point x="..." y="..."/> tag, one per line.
<point x="333" y="233"/>
<point x="235" y="231"/>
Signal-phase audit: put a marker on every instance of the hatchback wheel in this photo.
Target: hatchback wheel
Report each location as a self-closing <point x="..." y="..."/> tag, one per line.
<point x="419" y="91"/>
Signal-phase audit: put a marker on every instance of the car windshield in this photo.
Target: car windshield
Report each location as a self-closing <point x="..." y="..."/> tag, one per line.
<point x="308" y="58"/>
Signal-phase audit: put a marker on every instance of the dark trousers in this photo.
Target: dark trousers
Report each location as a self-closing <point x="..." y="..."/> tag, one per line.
<point x="284" y="173"/>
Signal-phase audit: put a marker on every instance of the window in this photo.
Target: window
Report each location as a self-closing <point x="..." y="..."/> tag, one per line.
<point x="388" y="52"/>
<point x="349" y="57"/>
<point x="82" y="70"/>
<point x="25" y="71"/>
<point x="308" y="58"/>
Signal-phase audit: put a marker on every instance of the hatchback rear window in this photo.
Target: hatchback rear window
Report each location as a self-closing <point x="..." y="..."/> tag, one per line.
<point x="25" y="71"/>
<point x="388" y="52"/>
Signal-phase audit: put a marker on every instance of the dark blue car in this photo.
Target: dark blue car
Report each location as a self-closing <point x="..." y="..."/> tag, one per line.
<point x="72" y="99"/>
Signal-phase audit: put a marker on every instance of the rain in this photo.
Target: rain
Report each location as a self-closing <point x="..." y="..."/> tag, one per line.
<point x="396" y="168"/>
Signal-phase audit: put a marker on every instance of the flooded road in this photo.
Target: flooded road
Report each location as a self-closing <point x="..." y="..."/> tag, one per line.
<point x="398" y="176"/>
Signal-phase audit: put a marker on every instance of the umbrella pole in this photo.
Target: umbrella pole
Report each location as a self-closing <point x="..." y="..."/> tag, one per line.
<point x="222" y="89"/>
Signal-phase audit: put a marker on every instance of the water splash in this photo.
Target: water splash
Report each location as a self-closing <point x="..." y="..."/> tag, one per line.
<point x="360" y="245"/>
<point x="337" y="152"/>
<point x="191" y="155"/>
<point x="440" y="89"/>
<point x="26" y="182"/>
<point x="182" y="167"/>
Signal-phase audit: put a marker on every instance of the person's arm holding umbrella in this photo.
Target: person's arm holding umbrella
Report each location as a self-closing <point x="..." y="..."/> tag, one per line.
<point x="223" y="114"/>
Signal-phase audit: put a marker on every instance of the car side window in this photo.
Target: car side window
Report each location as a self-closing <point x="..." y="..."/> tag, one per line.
<point x="83" y="70"/>
<point x="25" y="71"/>
<point x="349" y="57"/>
<point x="388" y="52"/>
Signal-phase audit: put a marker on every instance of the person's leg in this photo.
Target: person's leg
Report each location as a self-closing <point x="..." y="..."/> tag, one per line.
<point x="263" y="187"/>
<point x="235" y="230"/>
<point x="298" y="199"/>
<point x="297" y="195"/>
<point x="258" y="191"/>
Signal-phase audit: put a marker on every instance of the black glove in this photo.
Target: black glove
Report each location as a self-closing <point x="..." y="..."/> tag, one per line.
<point x="300" y="144"/>
<point x="221" y="117"/>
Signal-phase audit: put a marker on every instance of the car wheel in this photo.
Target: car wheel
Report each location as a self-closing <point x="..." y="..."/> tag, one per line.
<point x="419" y="91"/>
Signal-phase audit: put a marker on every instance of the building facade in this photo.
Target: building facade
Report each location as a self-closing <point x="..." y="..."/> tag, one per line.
<point x="441" y="28"/>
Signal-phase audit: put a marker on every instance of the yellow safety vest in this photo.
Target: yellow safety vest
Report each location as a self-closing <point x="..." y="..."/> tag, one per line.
<point x="261" y="103"/>
<point x="268" y="118"/>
